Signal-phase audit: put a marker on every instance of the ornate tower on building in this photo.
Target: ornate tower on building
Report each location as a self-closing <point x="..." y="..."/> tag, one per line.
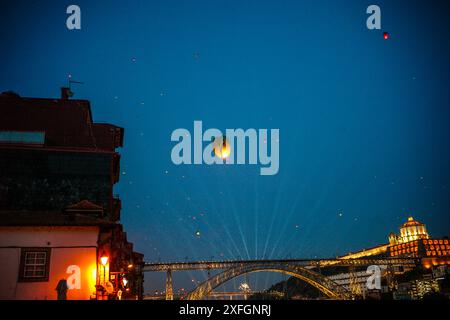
<point x="411" y="230"/>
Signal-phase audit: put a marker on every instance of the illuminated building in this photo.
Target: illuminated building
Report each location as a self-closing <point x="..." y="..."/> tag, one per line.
<point x="426" y="248"/>
<point x="416" y="289"/>
<point x="370" y="252"/>
<point x="411" y="230"/>
<point x="414" y="241"/>
<point x="58" y="213"/>
<point x="420" y="287"/>
<point x="403" y="292"/>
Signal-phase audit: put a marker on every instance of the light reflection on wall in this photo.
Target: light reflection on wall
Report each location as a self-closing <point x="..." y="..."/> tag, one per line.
<point x="92" y="277"/>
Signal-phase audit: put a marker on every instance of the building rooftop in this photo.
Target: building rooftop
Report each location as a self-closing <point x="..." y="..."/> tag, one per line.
<point x="54" y="123"/>
<point x="411" y="222"/>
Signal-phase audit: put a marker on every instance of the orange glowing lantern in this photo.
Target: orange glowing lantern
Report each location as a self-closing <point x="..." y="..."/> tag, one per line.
<point x="221" y="147"/>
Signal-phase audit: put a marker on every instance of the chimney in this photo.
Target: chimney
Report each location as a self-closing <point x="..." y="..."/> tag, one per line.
<point x="66" y="93"/>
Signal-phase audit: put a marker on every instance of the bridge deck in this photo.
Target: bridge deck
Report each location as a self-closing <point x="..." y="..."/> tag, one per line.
<point x="210" y="265"/>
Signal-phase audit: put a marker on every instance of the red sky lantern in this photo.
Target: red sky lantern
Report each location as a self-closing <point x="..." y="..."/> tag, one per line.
<point x="385" y="35"/>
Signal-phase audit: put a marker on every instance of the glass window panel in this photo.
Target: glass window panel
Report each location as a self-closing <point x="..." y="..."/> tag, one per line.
<point x="40" y="255"/>
<point x="22" y="137"/>
<point x="35" y="264"/>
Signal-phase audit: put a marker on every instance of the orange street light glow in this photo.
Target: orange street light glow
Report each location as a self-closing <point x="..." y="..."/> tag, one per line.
<point x="104" y="260"/>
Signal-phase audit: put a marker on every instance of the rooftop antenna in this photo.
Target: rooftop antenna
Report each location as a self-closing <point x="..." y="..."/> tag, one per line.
<point x="70" y="81"/>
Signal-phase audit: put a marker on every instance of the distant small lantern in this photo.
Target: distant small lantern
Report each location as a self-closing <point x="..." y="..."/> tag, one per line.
<point x="197" y="233"/>
<point x="385" y="35"/>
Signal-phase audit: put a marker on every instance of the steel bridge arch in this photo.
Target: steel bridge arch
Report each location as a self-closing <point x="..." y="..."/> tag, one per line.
<point x="330" y="288"/>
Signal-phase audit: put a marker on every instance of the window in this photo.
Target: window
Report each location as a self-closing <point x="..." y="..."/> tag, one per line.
<point x="34" y="264"/>
<point x="25" y="137"/>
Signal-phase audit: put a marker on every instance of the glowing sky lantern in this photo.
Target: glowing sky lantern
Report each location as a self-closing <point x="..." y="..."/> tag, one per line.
<point x="385" y="35"/>
<point x="222" y="147"/>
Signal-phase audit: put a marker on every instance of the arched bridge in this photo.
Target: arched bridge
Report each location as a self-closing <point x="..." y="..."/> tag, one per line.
<point x="299" y="268"/>
<point x="328" y="287"/>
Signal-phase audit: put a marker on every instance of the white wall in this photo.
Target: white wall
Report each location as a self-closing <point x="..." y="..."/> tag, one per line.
<point x="70" y="246"/>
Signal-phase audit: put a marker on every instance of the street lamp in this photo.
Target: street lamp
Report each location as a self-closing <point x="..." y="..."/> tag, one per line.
<point x="104" y="261"/>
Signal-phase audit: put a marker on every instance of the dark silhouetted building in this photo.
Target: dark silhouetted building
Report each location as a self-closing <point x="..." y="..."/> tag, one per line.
<point x="58" y="213"/>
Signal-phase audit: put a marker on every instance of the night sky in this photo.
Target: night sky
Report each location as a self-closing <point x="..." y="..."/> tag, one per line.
<point x="364" y="122"/>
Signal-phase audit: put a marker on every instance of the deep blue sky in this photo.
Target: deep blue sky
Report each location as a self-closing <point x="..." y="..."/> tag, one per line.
<point x="364" y="122"/>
